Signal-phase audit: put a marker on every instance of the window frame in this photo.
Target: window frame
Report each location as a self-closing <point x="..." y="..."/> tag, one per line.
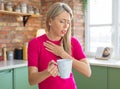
<point x="115" y="26"/>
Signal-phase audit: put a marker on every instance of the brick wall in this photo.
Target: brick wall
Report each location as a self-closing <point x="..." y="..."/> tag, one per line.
<point x="78" y="21"/>
<point x="14" y="34"/>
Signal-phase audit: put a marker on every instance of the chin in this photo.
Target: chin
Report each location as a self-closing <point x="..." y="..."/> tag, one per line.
<point x="62" y="35"/>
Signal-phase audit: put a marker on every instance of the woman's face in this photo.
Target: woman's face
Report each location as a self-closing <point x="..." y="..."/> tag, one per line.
<point x="60" y="24"/>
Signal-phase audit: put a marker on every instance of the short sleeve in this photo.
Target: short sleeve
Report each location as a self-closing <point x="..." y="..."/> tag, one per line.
<point x="77" y="50"/>
<point x="33" y="52"/>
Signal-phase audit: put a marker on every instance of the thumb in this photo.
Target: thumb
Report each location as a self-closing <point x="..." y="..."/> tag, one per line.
<point x="61" y="44"/>
<point x="52" y="62"/>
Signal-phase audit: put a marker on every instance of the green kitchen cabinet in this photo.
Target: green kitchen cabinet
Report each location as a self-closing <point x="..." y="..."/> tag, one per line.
<point x="6" y="79"/>
<point x="98" y="79"/>
<point x="21" y="79"/>
<point x="114" y="78"/>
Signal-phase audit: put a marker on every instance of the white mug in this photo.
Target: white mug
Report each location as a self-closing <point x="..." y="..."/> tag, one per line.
<point x="64" y="67"/>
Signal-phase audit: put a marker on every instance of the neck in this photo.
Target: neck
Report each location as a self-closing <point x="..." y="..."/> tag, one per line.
<point x="53" y="37"/>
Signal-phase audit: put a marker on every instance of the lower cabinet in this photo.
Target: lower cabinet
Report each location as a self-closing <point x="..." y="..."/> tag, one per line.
<point x="102" y="78"/>
<point x="16" y="78"/>
<point x="6" y="79"/>
<point x="21" y="79"/>
<point x="98" y="80"/>
<point x="114" y="78"/>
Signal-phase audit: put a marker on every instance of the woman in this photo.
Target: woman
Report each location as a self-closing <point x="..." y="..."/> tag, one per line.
<point x="57" y="43"/>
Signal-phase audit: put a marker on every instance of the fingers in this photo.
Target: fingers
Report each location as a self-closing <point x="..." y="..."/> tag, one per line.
<point x="53" y="48"/>
<point x="52" y="68"/>
<point x="52" y="62"/>
<point x="53" y="71"/>
<point x="49" y="44"/>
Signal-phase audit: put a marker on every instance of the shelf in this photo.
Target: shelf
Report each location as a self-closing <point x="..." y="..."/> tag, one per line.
<point x="13" y="13"/>
<point x="36" y="16"/>
<point x="24" y="15"/>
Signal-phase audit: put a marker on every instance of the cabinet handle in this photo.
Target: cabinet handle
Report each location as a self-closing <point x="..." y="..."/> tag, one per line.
<point x="5" y="71"/>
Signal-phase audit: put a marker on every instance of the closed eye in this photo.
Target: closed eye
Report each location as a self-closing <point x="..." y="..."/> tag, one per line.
<point x="62" y="21"/>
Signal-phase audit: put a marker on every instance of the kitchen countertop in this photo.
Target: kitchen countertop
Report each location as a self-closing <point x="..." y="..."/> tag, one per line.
<point x="12" y="64"/>
<point x="97" y="62"/>
<point x="108" y="63"/>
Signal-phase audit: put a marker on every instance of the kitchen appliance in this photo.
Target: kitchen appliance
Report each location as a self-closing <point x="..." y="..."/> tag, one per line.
<point x="18" y="53"/>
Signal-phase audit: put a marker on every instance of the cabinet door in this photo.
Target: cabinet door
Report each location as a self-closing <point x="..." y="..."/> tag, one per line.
<point x="98" y="80"/>
<point x="114" y="78"/>
<point x="21" y="79"/>
<point x="6" y="79"/>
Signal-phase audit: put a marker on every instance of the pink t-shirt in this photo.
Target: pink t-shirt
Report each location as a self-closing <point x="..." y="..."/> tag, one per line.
<point x="39" y="57"/>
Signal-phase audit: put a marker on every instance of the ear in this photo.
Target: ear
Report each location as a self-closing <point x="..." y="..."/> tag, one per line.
<point x="50" y="22"/>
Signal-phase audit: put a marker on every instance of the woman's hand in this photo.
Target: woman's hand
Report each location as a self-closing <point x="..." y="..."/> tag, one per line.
<point x="55" y="49"/>
<point x="52" y="68"/>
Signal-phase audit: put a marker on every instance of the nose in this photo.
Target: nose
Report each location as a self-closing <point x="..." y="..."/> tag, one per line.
<point x="65" y="25"/>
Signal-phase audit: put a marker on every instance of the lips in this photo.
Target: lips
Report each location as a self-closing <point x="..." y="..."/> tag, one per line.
<point x="63" y="31"/>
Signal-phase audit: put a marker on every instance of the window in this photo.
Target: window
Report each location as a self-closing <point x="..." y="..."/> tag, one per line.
<point x="103" y="26"/>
